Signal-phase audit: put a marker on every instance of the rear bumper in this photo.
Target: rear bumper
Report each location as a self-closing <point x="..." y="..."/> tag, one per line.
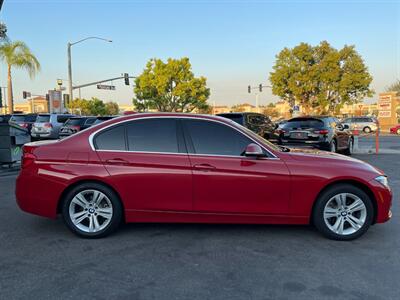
<point x="34" y="195"/>
<point x="312" y="144"/>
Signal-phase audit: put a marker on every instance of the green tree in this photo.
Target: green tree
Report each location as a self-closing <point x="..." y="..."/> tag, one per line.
<point x="17" y="55"/>
<point x="170" y="87"/>
<point x="395" y="87"/>
<point x="112" y="108"/>
<point x="320" y="78"/>
<point x="79" y="106"/>
<point x="97" y="107"/>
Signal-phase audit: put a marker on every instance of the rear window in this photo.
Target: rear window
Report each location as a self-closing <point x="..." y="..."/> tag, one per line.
<point x="43" y="119"/>
<point x="17" y="118"/>
<point x="238" y="118"/>
<point x="304" y="123"/>
<point x="30" y="118"/>
<point x="74" y="121"/>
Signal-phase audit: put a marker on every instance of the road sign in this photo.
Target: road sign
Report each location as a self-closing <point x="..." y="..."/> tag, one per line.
<point x="106" y="87"/>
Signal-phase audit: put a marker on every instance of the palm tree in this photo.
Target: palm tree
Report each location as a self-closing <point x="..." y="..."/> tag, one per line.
<point x="18" y="55"/>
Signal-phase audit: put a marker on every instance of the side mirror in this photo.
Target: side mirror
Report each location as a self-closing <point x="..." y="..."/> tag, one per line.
<point x="254" y="150"/>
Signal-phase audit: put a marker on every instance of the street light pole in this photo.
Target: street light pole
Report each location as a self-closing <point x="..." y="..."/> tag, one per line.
<point x="69" y="45"/>
<point x="69" y="71"/>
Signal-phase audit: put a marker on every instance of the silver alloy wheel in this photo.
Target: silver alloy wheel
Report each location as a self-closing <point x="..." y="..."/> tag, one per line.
<point x="90" y="211"/>
<point x="345" y="213"/>
<point x="367" y="129"/>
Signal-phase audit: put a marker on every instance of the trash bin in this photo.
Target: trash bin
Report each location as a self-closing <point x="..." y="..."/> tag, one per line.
<point x="12" y="138"/>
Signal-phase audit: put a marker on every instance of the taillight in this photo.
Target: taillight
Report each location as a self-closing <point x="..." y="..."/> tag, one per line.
<point x="323" y="131"/>
<point x="28" y="157"/>
<point x="24" y="125"/>
<point x="77" y="128"/>
<point x="47" y="125"/>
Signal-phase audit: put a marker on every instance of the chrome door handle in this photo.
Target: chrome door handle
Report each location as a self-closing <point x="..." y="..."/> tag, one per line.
<point x="117" y="161"/>
<point x="204" y="167"/>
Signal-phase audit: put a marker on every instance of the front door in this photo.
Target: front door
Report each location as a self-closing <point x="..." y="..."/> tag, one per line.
<point x="148" y="164"/>
<point x="224" y="181"/>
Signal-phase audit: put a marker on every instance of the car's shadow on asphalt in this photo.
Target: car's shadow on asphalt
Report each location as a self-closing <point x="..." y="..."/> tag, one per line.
<point x="50" y="229"/>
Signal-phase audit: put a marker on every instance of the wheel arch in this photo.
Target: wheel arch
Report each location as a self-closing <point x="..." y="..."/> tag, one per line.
<point x="82" y="181"/>
<point x="356" y="183"/>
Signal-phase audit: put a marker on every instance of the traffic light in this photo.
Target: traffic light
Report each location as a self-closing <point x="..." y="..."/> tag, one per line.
<point x="26" y="94"/>
<point x="260" y="87"/>
<point x="126" y="78"/>
<point x="249" y="89"/>
<point x="1" y="97"/>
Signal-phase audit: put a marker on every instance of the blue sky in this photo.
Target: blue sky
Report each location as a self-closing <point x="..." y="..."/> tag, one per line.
<point x="232" y="43"/>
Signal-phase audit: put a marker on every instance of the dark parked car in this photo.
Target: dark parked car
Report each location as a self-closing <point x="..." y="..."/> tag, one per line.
<point x="258" y="123"/>
<point x="76" y="124"/>
<point x="324" y="132"/>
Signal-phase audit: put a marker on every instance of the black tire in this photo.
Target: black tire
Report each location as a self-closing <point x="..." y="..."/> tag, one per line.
<point x="117" y="210"/>
<point x="349" y="149"/>
<point x="367" y="129"/>
<point x="318" y="212"/>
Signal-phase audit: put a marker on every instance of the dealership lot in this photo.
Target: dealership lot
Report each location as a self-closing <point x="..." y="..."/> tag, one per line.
<point x="40" y="258"/>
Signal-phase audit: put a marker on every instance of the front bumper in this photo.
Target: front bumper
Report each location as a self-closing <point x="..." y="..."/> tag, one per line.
<point x="383" y="197"/>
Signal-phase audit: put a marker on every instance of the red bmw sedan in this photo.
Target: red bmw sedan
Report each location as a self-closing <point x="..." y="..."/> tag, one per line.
<point x="197" y="169"/>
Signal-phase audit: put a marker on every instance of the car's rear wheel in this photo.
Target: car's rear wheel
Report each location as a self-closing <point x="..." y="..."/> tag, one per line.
<point x="92" y="210"/>
<point x="367" y="129"/>
<point x="343" y="212"/>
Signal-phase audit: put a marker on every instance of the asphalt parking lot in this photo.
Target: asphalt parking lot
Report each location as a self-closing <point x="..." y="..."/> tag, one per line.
<point x="41" y="259"/>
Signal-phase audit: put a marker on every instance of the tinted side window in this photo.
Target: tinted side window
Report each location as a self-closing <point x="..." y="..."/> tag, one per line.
<point x="153" y="135"/>
<point x="111" y="139"/>
<point x="213" y="138"/>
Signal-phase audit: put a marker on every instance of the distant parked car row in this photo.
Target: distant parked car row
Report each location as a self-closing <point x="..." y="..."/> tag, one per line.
<point x="53" y="126"/>
<point x="322" y="132"/>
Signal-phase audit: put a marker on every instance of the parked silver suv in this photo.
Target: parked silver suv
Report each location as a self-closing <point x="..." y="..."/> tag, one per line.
<point x="47" y="126"/>
<point x="366" y="124"/>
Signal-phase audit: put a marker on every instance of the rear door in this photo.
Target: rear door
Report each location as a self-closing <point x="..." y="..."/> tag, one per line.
<point x="148" y="164"/>
<point x="224" y="181"/>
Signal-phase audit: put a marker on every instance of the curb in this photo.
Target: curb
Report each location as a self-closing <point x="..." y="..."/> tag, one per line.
<point x="373" y="151"/>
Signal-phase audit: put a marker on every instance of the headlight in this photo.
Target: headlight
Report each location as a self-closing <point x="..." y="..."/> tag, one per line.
<point x="383" y="180"/>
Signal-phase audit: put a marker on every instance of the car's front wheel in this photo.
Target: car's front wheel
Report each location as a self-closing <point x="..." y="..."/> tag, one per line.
<point x="343" y="212"/>
<point x="92" y="210"/>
